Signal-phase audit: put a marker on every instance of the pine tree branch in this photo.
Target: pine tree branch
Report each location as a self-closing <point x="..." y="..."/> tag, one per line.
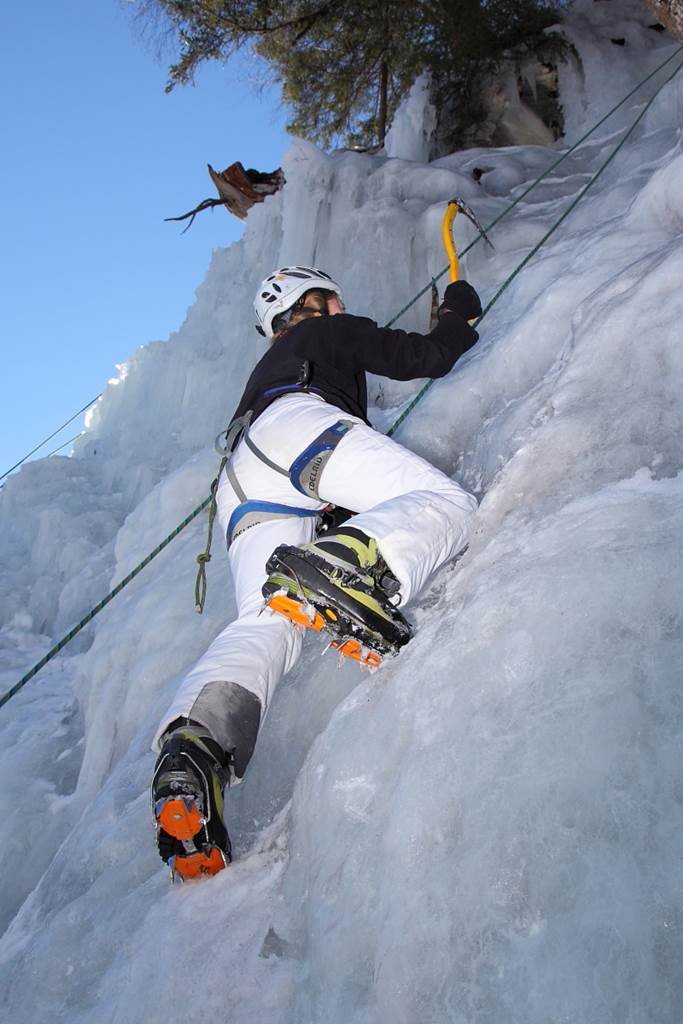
<point x="185" y="14"/>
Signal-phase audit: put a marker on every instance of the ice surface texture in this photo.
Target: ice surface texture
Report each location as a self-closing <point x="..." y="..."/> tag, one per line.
<point x="488" y="831"/>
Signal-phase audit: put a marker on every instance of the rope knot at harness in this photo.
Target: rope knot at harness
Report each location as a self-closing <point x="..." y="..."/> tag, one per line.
<point x="203" y="557"/>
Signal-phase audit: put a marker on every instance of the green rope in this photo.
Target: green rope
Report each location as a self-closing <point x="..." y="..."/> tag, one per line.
<point x="205" y="556"/>
<point x="202" y="559"/>
<point x="520" y="266"/>
<point x="103" y="603"/>
<point x="545" y="174"/>
<point x="62" y="446"/>
<point x="49" y="438"/>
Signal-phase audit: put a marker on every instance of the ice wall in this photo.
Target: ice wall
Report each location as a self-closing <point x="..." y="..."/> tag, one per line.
<point x="410" y="134"/>
<point x="487" y="830"/>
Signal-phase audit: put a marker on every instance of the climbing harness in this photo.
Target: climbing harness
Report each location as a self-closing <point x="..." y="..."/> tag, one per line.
<point x="406" y="412"/>
<point x="304" y="474"/>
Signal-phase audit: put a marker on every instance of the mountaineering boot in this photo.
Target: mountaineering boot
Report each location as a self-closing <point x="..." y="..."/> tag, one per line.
<point x="187" y="802"/>
<point x="342" y="584"/>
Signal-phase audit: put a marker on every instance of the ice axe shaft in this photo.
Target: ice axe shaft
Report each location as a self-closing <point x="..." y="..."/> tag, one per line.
<point x="453" y="207"/>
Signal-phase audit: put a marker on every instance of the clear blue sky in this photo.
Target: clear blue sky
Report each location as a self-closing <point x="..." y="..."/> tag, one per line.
<point x="95" y="155"/>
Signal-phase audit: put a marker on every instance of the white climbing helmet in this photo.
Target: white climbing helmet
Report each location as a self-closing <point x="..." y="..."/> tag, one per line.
<point x="281" y="289"/>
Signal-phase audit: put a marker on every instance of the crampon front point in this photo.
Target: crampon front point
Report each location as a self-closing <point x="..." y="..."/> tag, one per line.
<point x="338" y="600"/>
<point x="302" y="613"/>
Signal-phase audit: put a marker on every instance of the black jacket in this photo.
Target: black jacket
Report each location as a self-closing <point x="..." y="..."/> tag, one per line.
<point x="329" y="356"/>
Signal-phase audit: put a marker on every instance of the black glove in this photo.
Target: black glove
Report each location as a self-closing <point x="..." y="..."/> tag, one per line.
<point x="461" y="298"/>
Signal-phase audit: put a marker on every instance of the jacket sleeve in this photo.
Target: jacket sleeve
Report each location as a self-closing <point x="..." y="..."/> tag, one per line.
<point x="355" y="343"/>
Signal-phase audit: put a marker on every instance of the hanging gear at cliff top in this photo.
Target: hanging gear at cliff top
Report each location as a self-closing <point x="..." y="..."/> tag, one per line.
<point x="300" y="441"/>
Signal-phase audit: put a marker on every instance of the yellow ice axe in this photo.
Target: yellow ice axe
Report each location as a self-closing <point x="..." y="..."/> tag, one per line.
<point x="454" y="207"/>
<point x="447" y="238"/>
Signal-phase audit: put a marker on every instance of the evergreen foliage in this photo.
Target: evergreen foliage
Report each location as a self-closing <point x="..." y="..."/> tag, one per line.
<point x="344" y="65"/>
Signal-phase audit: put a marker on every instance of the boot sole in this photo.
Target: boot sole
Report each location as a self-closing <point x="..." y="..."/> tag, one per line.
<point x="294" y="610"/>
<point x="301" y="592"/>
<point x="181" y="818"/>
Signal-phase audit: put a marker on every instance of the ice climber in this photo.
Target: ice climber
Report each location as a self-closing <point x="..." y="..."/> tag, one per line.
<point x="301" y="442"/>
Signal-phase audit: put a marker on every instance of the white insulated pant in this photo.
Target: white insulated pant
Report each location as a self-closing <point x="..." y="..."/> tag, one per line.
<point x="419" y="517"/>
